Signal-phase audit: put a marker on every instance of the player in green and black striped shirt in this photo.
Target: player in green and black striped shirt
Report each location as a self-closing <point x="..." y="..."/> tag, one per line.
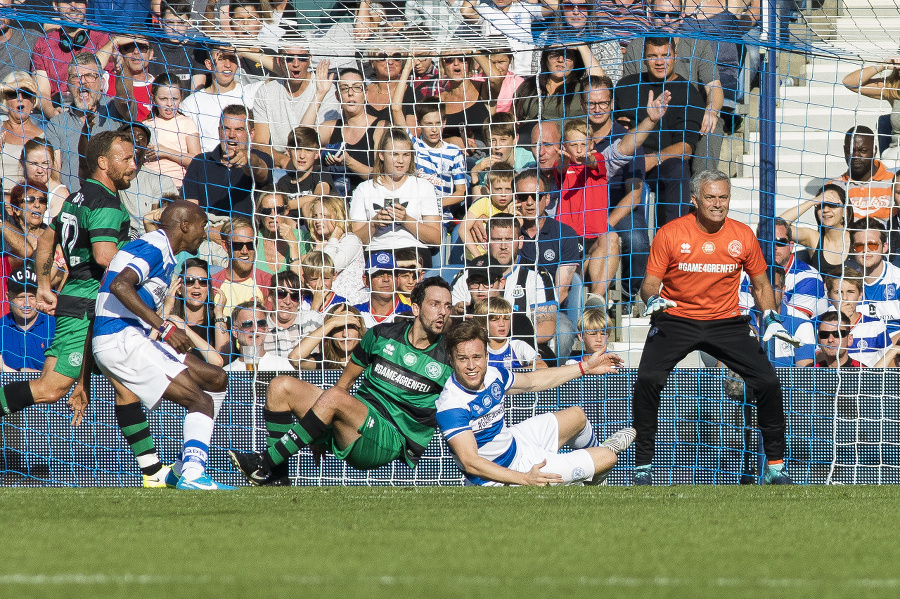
<point x="392" y="415"/>
<point x="91" y="227"/>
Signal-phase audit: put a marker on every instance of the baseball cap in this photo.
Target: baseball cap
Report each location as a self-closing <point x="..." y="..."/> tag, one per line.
<point x="19" y="279"/>
<point x="380" y="261"/>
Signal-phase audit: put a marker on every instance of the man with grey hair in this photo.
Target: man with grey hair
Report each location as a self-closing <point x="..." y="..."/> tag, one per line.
<point x="87" y="114"/>
<point x="691" y="293"/>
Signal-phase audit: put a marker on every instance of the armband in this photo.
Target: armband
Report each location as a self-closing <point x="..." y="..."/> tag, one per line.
<point x="581" y="366"/>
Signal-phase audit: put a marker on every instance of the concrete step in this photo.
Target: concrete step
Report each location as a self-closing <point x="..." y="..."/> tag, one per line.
<point x="811" y="164"/>
<point x="797" y="117"/>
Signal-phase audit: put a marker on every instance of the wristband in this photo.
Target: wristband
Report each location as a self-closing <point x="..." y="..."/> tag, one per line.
<point x="221" y="320"/>
<point x="581" y="366"/>
<point x="165" y="330"/>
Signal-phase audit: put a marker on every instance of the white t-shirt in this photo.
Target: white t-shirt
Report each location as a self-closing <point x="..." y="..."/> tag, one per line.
<point x="416" y="194"/>
<point x="273" y="104"/>
<point x="515" y="25"/>
<point x="206" y="109"/>
<point x="269" y="361"/>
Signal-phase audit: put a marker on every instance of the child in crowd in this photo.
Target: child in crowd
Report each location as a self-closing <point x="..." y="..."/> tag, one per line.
<point x="503" y="139"/>
<point x="440" y="163"/>
<point x="871" y="340"/>
<point x="494" y="314"/>
<point x="410" y="270"/>
<point x="176" y="136"/>
<point x="496" y="67"/>
<point x="584" y="205"/>
<point x="592" y="332"/>
<point x="499" y="198"/>
<point x="316" y="296"/>
<point x="305" y="180"/>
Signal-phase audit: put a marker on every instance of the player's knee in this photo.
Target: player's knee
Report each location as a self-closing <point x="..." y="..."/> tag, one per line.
<point x="200" y="402"/>
<point x="217" y="380"/>
<point x="279" y="392"/>
<point x="333" y="401"/>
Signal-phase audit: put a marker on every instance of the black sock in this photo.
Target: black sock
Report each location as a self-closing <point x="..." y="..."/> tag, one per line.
<point x="15" y="397"/>
<point x="133" y="424"/>
<point x="300" y="435"/>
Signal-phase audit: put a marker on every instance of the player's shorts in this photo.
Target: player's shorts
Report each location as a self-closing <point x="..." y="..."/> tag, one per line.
<point x="68" y="345"/>
<point x="381" y="443"/>
<point x="144" y="366"/>
<point x="537" y="440"/>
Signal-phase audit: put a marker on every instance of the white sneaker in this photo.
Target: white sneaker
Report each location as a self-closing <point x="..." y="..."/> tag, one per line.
<point x="158" y="480"/>
<point x="620" y="440"/>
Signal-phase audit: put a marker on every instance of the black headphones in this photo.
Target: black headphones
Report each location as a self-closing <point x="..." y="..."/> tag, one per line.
<point x="68" y="44"/>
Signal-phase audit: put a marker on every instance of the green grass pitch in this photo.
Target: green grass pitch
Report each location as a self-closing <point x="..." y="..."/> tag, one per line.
<point x="687" y="541"/>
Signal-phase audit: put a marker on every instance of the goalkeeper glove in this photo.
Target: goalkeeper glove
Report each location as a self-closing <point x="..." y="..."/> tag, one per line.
<point x="656" y="304"/>
<point x="774" y="328"/>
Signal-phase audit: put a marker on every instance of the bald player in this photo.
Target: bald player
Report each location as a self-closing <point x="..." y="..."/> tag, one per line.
<point x="148" y="358"/>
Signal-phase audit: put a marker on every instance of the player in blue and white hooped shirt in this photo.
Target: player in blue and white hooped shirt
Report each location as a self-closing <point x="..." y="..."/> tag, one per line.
<point x="146" y="357"/>
<point x="471" y="415"/>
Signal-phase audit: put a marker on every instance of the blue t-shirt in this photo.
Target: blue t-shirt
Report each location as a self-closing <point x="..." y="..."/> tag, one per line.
<point x="25" y="349"/>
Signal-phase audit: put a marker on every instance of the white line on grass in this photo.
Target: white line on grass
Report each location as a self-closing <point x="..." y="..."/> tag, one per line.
<point x="390" y="580"/>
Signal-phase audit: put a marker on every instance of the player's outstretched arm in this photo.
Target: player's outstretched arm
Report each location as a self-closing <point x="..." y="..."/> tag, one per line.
<point x="549" y="378"/>
<point x="466" y="449"/>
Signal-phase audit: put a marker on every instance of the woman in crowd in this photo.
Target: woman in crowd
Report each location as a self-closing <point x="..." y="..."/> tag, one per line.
<point x="40" y="162"/>
<point x="828" y="245"/>
<point x="19" y="94"/>
<point x="329" y="346"/>
<point x="467" y="101"/>
<point x="555" y="92"/>
<point x="326" y="221"/>
<point x="387" y="65"/>
<point x="278" y="243"/>
<point x="349" y="142"/>
<point x="20" y="232"/>
<point x="395" y="208"/>
<point x="576" y="21"/>
<point x="176" y="136"/>
<point x="188" y="304"/>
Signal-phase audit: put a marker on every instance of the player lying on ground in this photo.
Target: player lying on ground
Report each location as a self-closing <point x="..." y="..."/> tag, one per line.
<point x="146" y="357"/>
<point x="471" y="414"/>
<point x="392" y="415"/>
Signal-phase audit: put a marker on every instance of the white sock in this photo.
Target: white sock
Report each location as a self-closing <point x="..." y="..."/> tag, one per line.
<point x="198" y="430"/>
<point x="218" y="398"/>
<point x="586" y="438"/>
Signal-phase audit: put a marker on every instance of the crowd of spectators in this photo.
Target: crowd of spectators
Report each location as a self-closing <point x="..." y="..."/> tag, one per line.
<point x="518" y="168"/>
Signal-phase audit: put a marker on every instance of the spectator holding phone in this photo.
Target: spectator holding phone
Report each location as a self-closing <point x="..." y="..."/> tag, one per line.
<point x="396" y="209"/>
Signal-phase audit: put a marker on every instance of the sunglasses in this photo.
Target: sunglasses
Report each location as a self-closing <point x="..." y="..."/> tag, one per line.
<point x="237" y="246"/>
<point x="386" y="56"/>
<point x="662" y="15"/>
<point x="872" y="246"/>
<point x="837" y="334"/>
<point x="296" y="58"/>
<point x="452" y="59"/>
<point x="35" y="199"/>
<point x="190" y="281"/>
<point x="571" y="6"/>
<point x="782" y="241"/>
<point x="25" y="94"/>
<point x="262" y="323"/>
<point x="292" y="293"/>
<point x="277" y="210"/>
<point x="525" y="196"/>
<point x="130" y="47"/>
<point x="561" y="54"/>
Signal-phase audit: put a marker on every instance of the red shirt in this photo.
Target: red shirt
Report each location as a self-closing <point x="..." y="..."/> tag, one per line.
<point x="584" y="198"/>
<point x="701" y="272"/>
<point x="49" y="57"/>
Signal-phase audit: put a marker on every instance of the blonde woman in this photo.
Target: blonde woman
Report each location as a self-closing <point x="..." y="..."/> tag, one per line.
<point x="326" y="220"/>
<point x="395" y="208"/>
<point x="19" y="93"/>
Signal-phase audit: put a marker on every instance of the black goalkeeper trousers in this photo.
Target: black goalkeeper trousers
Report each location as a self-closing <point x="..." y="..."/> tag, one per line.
<point x="670" y="339"/>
